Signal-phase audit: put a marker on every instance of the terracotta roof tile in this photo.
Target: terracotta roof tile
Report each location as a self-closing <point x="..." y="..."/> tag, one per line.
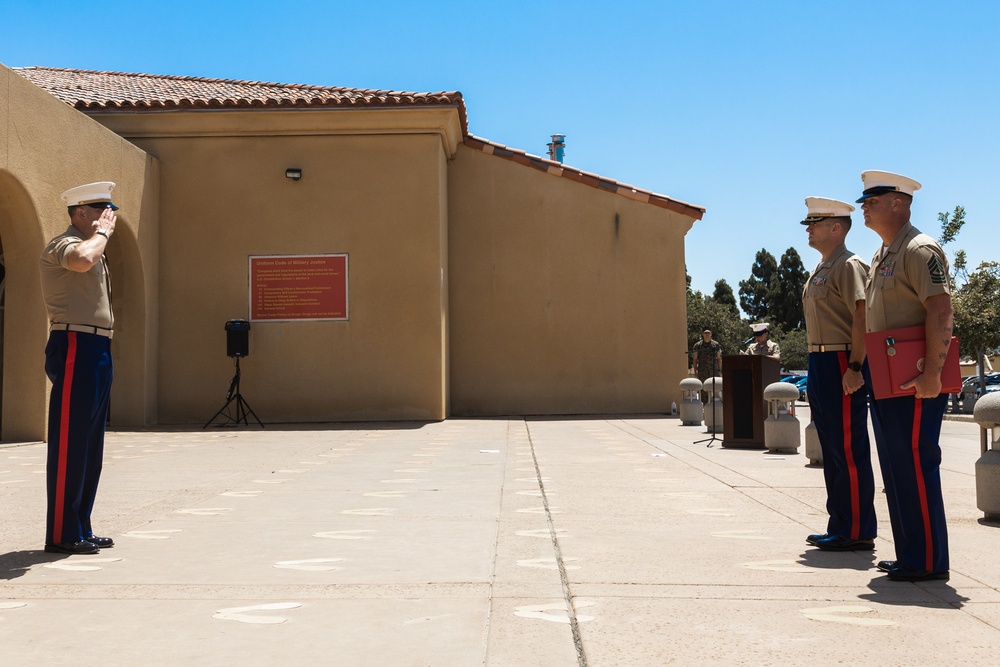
<point x="593" y="180"/>
<point x="92" y="91"/>
<point x="117" y="91"/>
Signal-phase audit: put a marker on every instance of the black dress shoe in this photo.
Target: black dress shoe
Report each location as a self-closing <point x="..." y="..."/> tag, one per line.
<point x="840" y="543"/>
<point x="885" y="565"/>
<point x="905" y="573"/>
<point x="73" y="548"/>
<point x="813" y="539"/>
<point x="101" y="542"/>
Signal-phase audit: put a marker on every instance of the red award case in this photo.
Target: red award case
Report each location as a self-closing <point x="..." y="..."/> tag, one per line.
<point x="896" y="356"/>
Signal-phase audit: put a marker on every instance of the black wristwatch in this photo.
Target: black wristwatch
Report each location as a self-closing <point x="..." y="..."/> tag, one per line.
<point x="855" y="366"/>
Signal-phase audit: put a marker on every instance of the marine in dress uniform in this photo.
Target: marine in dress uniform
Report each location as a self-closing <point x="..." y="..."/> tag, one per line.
<point x="762" y="343"/>
<point x="834" y="303"/>
<point x="907" y="285"/>
<point x="76" y="286"/>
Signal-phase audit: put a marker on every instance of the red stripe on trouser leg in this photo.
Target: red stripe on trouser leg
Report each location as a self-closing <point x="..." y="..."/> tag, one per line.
<point x="918" y="472"/>
<point x="67" y="390"/>
<point x="852" y="468"/>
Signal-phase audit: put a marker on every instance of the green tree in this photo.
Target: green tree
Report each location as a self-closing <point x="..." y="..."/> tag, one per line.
<point x="977" y="313"/>
<point x="723" y="295"/>
<point x="951" y="225"/>
<point x="785" y="302"/>
<point x="726" y="326"/>
<point x="755" y="291"/>
<point x="795" y="351"/>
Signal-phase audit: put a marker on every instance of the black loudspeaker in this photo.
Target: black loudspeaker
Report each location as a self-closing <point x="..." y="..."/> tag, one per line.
<point x="237" y="338"/>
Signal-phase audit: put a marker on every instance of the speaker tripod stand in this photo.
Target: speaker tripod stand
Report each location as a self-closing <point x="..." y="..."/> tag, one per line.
<point x="238" y="414"/>
<point x="711" y="399"/>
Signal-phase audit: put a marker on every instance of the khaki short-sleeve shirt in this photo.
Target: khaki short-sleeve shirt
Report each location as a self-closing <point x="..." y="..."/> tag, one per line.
<point x="769" y="348"/>
<point x="830" y="297"/>
<point x="913" y="269"/>
<point x="75" y="297"/>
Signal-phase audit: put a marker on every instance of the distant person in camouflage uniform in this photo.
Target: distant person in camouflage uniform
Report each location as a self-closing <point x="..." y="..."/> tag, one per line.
<point x="706" y="359"/>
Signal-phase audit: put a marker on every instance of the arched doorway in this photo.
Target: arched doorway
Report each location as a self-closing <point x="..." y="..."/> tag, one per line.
<point x="23" y="387"/>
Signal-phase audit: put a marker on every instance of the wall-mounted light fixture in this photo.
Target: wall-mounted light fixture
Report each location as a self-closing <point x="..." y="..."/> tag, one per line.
<point x="293" y="173"/>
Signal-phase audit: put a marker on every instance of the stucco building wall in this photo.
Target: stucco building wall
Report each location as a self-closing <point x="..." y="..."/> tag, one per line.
<point x="377" y="195"/>
<point x="564" y="298"/>
<point x="477" y="285"/>
<point x="46" y="148"/>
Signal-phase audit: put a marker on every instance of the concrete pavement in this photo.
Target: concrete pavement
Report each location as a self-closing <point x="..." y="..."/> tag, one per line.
<point x="536" y="542"/>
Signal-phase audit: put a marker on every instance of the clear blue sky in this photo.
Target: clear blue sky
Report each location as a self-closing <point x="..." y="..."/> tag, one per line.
<point x="745" y="108"/>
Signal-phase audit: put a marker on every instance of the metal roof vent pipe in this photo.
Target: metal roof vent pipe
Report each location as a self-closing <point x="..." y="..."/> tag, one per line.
<point x="557" y="149"/>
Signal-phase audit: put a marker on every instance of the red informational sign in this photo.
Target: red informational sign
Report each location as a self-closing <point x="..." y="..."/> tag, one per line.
<point x="298" y="287"/>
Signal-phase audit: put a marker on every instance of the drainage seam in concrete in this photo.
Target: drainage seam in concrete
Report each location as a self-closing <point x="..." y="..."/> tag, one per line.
<point x="581" y="656"/>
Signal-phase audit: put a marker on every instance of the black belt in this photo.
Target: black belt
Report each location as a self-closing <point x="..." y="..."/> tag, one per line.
<point x="829" y="348"/>
<point x="83" y="328"/>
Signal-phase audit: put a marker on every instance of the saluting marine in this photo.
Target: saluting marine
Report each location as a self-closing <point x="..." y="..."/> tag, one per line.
<point x="76" y="286"/>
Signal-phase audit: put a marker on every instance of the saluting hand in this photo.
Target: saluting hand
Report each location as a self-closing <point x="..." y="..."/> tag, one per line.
<point x="106" y="223"/>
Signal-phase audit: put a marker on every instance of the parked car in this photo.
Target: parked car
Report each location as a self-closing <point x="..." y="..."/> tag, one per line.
<point x="970" y="385"/>
<point x="799" y="380"/>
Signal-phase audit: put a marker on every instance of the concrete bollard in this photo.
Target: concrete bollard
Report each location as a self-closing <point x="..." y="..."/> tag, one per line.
<point x="814" y="451"/>
<point x="987" y="415"/>
<point x="713" y="409"/>
<point x="692" y="410"/>
<point x="781" y="428"/>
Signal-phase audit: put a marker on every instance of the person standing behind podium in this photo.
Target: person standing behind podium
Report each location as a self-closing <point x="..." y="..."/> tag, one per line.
<point x="908" y="286"/>
<point x="762" y="344"/>
<point x="834" y="303"/>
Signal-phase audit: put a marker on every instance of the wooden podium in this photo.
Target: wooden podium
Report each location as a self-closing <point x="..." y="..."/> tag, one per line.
<point x="744" y="409"/>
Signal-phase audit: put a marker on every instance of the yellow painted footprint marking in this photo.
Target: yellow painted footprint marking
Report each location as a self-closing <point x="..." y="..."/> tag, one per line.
<point x="374" y="511"/>
<point x="81" y="565"/>
<point x="779" y="566"/>
<point x="246" y="615"/>
<point x="241" y="494"/>
<point x="846" y="614"/>
<point x="309" y="564"/>
<point x="399" y="481"/>
<point x="548" y="563"/>
<point x="269" y="481"/>
<point x="542" y="532"/>
<point x="12" y="605"/>
<point x="555" y="612"/>
<point x="385" y="494"/>
<point x="411" y="470"/>
<point x="205" y="511"/>
<point x="740" y="535"/>
<point x="152" y="534"/>
<point x="344" y="534"/>
<point x="540" y="510"/>
<point x="293" y="471"/>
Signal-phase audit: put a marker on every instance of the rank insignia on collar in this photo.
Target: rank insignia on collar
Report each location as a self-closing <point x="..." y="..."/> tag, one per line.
<point x="936" y="269"/>
<point x="886" y="268"/>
